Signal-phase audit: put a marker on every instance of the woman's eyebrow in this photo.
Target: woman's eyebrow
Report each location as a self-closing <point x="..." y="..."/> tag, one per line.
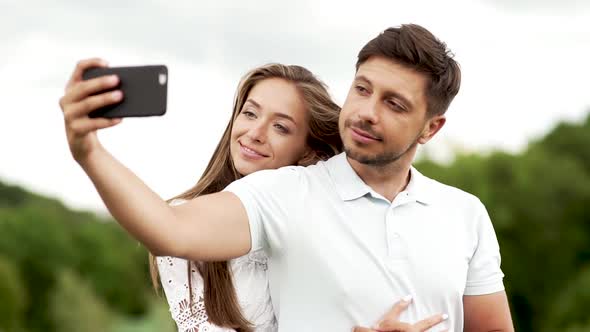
<point x="284" y="116"/>
<point x="253" y="102"/>
<point x="276" y="114"/>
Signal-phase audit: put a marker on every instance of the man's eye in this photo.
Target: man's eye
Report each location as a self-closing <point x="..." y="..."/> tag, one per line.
<point x="395" y="105"/>
<point x="361" y="89"/>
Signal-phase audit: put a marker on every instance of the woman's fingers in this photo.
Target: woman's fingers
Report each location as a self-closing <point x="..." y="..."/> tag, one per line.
<point x="395" y="312"/>
<point x="362" y="329"/>
<point x="84" y="126"/>
<point x="395" y="325"/>
<point x="81" y="66"/>
<point x="429" y="322"/>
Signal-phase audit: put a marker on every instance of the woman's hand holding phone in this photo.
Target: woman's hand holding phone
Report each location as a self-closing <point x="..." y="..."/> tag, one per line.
<point x="82" y="97"/>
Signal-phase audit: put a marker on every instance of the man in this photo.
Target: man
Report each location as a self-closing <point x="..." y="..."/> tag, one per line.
<point x="349" y="236"/>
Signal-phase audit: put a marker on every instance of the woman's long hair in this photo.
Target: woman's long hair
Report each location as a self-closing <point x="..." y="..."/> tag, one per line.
<point x="221" y="302"/>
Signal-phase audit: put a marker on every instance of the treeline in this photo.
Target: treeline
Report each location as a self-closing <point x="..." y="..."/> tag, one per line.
<point x="64" y="270"/>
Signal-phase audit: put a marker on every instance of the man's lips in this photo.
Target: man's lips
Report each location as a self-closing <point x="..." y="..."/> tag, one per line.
<point x="364" y="134"/>
<point x="249" y="151"/>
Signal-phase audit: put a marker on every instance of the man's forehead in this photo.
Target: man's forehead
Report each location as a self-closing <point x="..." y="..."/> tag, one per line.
<point x="390" y="76"/>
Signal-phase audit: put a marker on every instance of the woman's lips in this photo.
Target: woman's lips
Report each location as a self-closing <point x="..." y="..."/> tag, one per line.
<point x="250" y="153"/>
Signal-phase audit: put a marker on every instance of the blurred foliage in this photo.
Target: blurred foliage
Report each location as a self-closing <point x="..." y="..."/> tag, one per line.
<point x="74" y="306"/>
<point x="64" y="270"/>
<point x="13" y="295"/>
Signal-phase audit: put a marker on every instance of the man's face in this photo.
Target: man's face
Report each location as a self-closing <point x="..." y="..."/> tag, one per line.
<point x="384" y="115"/>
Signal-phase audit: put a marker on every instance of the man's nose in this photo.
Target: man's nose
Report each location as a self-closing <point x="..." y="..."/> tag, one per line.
<point x="369" y="111"/>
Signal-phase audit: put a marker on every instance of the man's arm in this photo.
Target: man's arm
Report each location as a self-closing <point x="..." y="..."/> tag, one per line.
<point x="487" y="313"/>
<point x="209" y="227"/>
<point x="213" y="227"/>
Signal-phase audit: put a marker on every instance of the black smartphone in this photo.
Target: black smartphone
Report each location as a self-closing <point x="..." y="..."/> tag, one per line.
<point x="144" y="91"/>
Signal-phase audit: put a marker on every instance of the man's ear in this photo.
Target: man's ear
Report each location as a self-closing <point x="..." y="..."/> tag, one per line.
<point x="432" y="126"/>
<point x="310" y="157"/>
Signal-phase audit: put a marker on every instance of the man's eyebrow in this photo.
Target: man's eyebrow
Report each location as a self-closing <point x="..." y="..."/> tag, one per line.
<point x="277" y="114"/>
<point x="362" y="78"/>
<point x="388" y="93"/>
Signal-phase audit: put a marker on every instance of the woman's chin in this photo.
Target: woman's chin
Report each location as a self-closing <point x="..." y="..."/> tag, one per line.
<point x="247" y="167"/>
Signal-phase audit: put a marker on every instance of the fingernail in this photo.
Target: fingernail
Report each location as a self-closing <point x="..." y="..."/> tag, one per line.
<point x="407" y="298"/>
<point x="445" y="316"/>
<point x="104" y="63"/>
<point x="113" y="79"/>
<point x="116" y="95"/>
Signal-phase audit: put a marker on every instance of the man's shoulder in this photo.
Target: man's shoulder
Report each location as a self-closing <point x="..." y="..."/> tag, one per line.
<point x="450" y="194"/>
<point x="285" y="178"/>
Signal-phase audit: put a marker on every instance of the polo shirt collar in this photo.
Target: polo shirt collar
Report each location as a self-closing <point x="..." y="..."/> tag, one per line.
<point x="350" y="186"/>
<point x="418" y="188"/>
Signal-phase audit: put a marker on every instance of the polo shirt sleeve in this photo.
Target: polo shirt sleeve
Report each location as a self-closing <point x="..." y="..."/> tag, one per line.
<point x="484" y="275"/>
<point x="268" y="197"/>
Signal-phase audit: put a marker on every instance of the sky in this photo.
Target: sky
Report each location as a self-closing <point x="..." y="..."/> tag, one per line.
<point x="524" y="68"/>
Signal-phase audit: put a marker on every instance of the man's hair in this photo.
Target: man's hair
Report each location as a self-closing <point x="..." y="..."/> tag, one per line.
<point x="414" y="47"/>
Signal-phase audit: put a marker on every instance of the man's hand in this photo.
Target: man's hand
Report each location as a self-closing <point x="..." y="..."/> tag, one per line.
<point x="82" y="97"/>
<point x="390" y="322"/>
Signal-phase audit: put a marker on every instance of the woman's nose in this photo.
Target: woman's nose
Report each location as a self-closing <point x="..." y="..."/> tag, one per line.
<point x="257" y="133"/>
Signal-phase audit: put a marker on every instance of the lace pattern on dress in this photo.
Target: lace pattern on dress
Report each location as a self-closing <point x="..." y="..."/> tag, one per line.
<point x="188" y="318"/>
<point x="249" y="277"/>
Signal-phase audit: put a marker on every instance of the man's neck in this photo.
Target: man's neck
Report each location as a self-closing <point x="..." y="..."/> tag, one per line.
<point x="387" y="180"/>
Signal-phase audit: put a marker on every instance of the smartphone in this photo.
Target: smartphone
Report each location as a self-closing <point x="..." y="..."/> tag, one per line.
<point x="145" y="89"/>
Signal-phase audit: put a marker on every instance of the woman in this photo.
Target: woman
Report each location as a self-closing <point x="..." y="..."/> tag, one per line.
<point x="282" y="116"/>
<point x="203" y="295"/>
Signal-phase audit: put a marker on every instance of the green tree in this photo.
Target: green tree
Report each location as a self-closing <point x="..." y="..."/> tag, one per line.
<point x="14" y="296"/>
<point x="74" y="306"/>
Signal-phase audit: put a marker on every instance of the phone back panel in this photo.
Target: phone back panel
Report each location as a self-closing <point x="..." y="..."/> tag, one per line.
<point x="144" y="91"/>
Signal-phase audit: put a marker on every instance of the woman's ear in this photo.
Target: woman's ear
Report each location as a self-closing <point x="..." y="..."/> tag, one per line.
<point x="310" y="157"/>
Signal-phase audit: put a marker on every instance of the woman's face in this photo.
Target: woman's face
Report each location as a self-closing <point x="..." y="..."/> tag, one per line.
<point x="271" y="129"/>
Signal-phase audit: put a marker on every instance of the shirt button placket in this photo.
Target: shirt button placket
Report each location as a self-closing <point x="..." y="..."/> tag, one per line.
<point x="394" y="238"/>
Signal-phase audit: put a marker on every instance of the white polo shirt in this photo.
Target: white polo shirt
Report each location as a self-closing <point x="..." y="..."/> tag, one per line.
<point x="341" y="254"/>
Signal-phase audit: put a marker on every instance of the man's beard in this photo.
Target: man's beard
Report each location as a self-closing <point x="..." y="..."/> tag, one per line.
<point x="381" y="159"/>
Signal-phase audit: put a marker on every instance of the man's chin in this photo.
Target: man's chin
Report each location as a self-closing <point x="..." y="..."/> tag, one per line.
<point x="370" y="159"/>
<point x="359" y="156"/>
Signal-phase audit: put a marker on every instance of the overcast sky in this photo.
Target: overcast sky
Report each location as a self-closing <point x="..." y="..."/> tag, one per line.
<point x="524" y="63"/>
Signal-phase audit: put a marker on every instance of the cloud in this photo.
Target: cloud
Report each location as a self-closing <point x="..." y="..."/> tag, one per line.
<point x="235" y="33"/>
<point x="522" y="72"/>
<point x="562" y="6"/>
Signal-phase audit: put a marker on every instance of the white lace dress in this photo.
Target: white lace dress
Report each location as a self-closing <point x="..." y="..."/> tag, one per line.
<point x="250" y="281"/>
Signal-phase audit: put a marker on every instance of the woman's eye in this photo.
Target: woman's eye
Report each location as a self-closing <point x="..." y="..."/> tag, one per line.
<point x="249" y="114"/>
<point x="281" y="128"/>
